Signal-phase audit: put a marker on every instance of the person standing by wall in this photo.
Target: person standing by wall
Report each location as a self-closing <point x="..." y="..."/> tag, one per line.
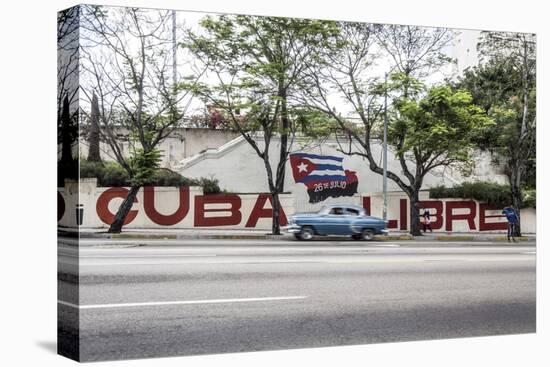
<point x="512" y="217"/>
<point x="426" y="222"/>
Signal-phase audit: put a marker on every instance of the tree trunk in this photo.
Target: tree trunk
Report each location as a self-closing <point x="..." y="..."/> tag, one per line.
<point x="276" y="205"/>
<point x="123" y="210"/>
<point x="414" y="214"/>
<point x="281" y="166"/>
<point x="93" y="135"/>
<point x="275" y="191"/>
<point x="514" y="177"/>
<point x="517" y="204"/>
<point x="517" y="201"/>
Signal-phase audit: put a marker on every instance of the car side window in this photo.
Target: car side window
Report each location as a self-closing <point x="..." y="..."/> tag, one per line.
<point x="337" y="211"/>
<point x="351" y="211"/>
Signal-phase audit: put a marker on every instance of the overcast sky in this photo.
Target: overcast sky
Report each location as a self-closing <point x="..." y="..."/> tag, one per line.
<point x="463" y="50"/>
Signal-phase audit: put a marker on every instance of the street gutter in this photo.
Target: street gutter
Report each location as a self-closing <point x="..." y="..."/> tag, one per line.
<point x="259" y="236"/>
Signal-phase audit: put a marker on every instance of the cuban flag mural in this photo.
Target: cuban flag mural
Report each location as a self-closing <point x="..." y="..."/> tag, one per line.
<point x="323" y="176"/>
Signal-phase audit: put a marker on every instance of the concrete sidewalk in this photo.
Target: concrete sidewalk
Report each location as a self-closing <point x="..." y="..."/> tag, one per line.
<point x="236" y="234"/>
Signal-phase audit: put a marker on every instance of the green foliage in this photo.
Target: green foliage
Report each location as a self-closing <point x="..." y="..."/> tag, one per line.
<point x="260" y="64"/>
<point x="492" y="193"/>
<point x="314" y="124"/>
<point x="166" y="177"/>
<point x="438" y="129"/>
<point x="209" y="185"/>
<point x="143" y="165"/>
<point x="111" y="174"/>
<point x="407" y="84"/>
<point x="107" y="173"/>
<point x="497" y="87"/>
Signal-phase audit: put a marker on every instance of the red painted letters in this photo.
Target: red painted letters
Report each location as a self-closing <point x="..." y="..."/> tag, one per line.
<point x="436" y="212"/>
<point x="450" y="217"/>
<point x="163" y="219"/>
<point x="227" y="210"/>
<point x="102" y="205"/>
<point x="491" y="226"/>
<point x="260" y="212"/>
<point x="233" y="219"/>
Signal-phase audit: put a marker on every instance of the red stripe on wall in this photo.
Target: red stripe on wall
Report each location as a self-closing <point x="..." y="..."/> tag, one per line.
<point x="366" y="204"/>
<point x="403" y="213"/>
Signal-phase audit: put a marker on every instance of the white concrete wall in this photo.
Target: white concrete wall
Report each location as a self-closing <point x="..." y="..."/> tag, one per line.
<point x="180" y="144"/>
<point x="239" y="169"/>
<point x="480" y="216"/>
<point x="253" y="211"/>
<point x="238" y="208"/>
<point x="529" y="220"/>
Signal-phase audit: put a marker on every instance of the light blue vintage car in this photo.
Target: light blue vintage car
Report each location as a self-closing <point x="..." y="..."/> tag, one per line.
<point x="337" y="220"/>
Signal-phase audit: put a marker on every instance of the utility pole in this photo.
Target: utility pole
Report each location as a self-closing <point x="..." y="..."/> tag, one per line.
<point x="174" y="51"/>
<point x="385" y="152"/>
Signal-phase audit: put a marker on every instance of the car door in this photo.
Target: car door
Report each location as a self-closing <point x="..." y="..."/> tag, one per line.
<point x="352" y="216"/>
<point x="337" y="221"/>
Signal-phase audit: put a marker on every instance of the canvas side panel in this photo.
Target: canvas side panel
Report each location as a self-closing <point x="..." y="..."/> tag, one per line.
<point x="68" y="38"/>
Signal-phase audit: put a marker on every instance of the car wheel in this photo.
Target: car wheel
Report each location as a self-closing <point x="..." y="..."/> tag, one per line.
<point x="367" y="234"/>
<point x="306" y="233"/>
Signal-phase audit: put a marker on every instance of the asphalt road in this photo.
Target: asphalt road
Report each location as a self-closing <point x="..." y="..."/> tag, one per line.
<point x="203" y="296"/>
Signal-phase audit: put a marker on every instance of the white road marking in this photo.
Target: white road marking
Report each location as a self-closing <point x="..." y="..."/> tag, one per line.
<point x="207" y="301"/>
<point x="529" y="252"/>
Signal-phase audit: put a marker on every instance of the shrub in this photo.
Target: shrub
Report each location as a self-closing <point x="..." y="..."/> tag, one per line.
<point x="112" y="174"/>
<point x="165" y="177"/>
<point x="209" y="185"/>
<point x="107" y="173"/>
<point x="492" y="193"/>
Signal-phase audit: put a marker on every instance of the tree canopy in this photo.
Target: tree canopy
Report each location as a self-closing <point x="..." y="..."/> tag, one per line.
<point x="255" y="69"/>
<point x="421" y="119"/>
<point x="126" y="67"/>
<point x="504" y="83"/>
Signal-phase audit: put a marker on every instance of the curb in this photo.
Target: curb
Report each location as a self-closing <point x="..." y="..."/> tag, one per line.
<point x="482" y="239"/>
<point x="199" y="236"/>
<point x="174" y="236"/>
<point x="168" y="236"/>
